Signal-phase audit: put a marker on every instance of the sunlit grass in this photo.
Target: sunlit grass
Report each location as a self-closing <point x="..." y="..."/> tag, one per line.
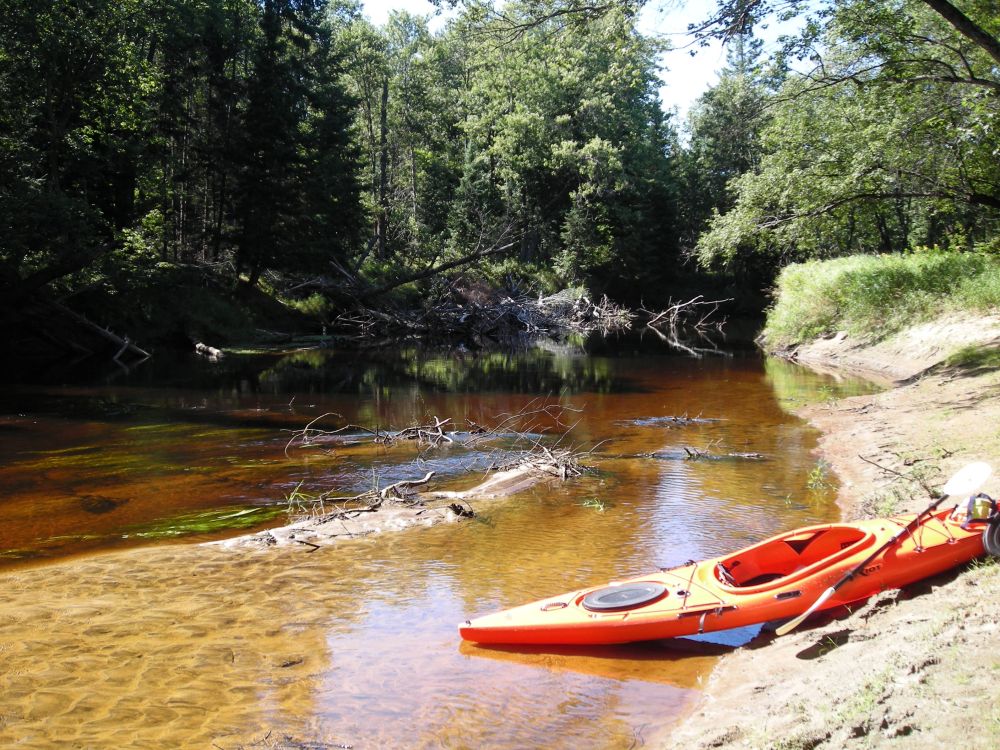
<point x="873" y="296"/>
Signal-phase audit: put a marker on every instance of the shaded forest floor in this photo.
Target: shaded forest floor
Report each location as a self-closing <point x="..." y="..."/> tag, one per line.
<point x="913" y="669"/>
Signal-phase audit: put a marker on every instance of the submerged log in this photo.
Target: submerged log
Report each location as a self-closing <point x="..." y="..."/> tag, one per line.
<point x="696" y="454"/>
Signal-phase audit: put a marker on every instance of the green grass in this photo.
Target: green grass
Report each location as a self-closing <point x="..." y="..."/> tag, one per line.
<point x="974" y="357"/>
<point x="874" y="296"/>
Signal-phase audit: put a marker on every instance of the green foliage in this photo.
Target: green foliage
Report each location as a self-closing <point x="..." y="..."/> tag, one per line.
<point x="276" y="136"/>
<point x="214" y="132"/>
<point x="316" y="306"/>
<point x="818" y="480"/>
<point x="725" y="128"/>
<point x="595" y="503"/>
<point x="504" y="128"/>
<point x="875" y="295"/>
<point x="888" y="145"/>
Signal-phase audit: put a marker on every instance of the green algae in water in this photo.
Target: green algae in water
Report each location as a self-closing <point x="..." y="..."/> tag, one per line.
<point x="109" y="459"/>
<point x="205" y="522"/>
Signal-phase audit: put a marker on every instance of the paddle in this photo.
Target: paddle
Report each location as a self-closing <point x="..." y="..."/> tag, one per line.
<point x="965" y="482"/>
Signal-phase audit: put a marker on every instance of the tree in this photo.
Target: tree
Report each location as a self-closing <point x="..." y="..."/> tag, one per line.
<point x="870" y="153"/>
<point x="563" y="128"/>
<point x="74" y="81"/>
<point x="734" y="17"/>
<point x="297" y="192"/>
<point x="724" y="128"/>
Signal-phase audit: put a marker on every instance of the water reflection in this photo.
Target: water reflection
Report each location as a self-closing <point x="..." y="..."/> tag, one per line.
<point x="356" y="644"/>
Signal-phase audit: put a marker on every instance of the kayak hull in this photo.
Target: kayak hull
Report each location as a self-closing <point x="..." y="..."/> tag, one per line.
<point x="776" y="579"/>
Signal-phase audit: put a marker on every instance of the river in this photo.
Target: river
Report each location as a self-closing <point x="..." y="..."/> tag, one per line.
<point x="117" y="631"/>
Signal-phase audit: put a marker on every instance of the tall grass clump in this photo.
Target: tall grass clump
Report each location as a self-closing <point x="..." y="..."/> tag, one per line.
<point x="876" y="295"/>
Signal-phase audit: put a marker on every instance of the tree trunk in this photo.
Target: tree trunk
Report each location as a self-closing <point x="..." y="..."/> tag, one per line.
<point x="383" y="178"/>
<point x="413" y="182"/>
<point x="433" y="271"/>
<point x="966" y="27"/>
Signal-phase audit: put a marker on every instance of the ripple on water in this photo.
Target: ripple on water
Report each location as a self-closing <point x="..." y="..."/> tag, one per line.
<point x="357" y="644"/>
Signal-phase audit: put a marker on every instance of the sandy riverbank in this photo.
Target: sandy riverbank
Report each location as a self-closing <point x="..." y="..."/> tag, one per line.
<point x="913" y="669"/>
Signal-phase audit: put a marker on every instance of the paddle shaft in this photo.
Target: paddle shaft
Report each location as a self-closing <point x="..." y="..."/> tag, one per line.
<point x="889" y="543"/>
<point x="790" y="626"/>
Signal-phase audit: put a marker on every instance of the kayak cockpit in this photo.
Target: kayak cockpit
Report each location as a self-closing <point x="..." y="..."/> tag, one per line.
<point x="790" y="556"/>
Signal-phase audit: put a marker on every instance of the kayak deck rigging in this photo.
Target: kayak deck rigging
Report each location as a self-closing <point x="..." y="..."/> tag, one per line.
<point x="776" y="579"/>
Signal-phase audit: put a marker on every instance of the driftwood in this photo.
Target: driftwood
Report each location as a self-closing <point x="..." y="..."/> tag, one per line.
<point x="210" y="352"/>
<point x="432" y="435"/>
<point x="687" y="325"/>
<point x="429" y="434"/>
<point x="522" y="461"/>
<point x="67" y="330"/>
<point x="672" y="421"/>
<point x="319" y="519"/>
<point x="303" y="506"/>
<point x="502" y="319"/>
<point x="123" y="344"/>
<point x="434" y="271"/>
<point x="696" y="454"/>
<point x="535" y="418"/>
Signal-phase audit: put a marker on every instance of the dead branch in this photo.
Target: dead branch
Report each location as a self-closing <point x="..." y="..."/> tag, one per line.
<point x="303" y="506"/>
<point x="309" y="435"/>
<point x="401" y="490"/>
<point x="435" y="270"/>
<point x="683" y="325"/>
<point x="504" y="318"/>
<point x="429" y="434"/>
<point x="534" y="418"/>
<point x="522" y="453"/>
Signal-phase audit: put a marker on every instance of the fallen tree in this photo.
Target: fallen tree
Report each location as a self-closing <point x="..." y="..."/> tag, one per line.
<point x="512" y="450"/>
<point x="501" y="319"/>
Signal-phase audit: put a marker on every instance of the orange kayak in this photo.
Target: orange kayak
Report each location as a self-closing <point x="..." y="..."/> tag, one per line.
<point x="776" y="579"/>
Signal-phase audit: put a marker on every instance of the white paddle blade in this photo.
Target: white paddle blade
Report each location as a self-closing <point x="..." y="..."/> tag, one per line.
<point x="789" y="626"/>
<point x="968" y="479"/>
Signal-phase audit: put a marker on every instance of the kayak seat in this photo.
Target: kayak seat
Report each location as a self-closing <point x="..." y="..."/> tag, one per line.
<point x="781" y="557"/>
<point x="726" y="576"/>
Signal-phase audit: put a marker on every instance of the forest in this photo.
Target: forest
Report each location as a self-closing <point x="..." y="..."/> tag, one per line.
<point x="180" y="170"/>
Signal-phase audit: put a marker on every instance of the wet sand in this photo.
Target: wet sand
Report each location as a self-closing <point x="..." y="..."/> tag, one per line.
<point x="99" y="653"/>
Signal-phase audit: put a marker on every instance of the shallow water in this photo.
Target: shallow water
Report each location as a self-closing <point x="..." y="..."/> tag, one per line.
<point x="183" y="646"/>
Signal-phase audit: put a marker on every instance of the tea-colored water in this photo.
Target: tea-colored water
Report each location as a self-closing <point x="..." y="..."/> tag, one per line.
<point x="189" y="645"/>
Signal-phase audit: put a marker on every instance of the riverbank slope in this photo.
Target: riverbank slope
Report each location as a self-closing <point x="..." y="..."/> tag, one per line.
<point x="914" y="669"/>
